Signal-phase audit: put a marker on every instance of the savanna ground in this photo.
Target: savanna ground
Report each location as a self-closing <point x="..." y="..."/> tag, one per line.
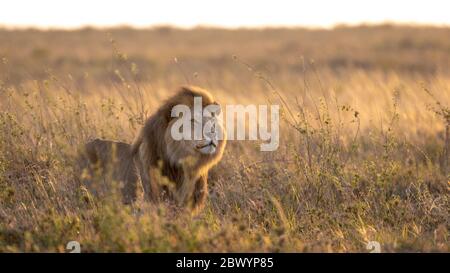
<point x="364" y="151"/>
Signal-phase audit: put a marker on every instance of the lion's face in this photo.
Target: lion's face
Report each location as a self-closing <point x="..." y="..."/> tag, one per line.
<point x="210" y="136"/>
<point x="211" y="132"/>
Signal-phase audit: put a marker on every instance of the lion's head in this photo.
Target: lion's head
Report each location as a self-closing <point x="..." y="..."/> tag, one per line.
<point x="210" y="141"/>
<point x="202" y="128"/>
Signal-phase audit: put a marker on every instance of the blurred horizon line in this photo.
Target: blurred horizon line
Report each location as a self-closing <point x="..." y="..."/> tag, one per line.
<point x="386" y="23"/>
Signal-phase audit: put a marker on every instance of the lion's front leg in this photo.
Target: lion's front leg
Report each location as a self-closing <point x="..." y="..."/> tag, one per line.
<point x="193" y="193"/>
<point x="149" y="182"/>
<point x="200" y="193"/>
<point x="148" y="174"/>
<point x="185" y="190"/>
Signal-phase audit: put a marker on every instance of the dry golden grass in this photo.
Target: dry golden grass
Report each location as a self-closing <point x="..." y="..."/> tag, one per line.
<point x="364" y="153"/>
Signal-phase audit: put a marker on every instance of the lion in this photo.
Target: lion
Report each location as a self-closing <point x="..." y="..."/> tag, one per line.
<point x="155" y="155"/>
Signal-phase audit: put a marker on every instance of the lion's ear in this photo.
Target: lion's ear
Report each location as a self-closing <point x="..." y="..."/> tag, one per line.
<point x="166" y="112"/>
<point x="219" y="110"/>
<point x="213" y="110"/>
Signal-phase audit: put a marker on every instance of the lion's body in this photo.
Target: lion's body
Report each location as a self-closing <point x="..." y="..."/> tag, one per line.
<point x="156" y="154"/>
<point x="111" y="161"/>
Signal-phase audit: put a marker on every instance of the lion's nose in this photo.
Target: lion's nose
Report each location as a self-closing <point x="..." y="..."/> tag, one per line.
<point x="214" y="142"/>
<point x="212" y="137"/>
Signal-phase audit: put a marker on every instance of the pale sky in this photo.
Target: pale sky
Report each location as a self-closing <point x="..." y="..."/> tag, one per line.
<point x="225" y="13"/>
